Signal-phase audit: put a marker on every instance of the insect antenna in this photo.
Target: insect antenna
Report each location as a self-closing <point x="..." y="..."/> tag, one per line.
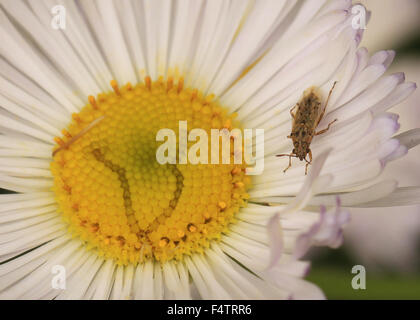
<point x="286" y="155"/>
<point x="329" y="94"/>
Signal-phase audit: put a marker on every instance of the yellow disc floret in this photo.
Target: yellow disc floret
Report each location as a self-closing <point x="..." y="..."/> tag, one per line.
<point x="117" y="198"/>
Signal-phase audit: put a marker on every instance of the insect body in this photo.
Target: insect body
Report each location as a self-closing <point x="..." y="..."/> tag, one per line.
<point x="306" y="115"/>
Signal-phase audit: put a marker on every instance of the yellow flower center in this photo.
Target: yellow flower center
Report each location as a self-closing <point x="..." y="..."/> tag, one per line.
<point x="116" y="197"/>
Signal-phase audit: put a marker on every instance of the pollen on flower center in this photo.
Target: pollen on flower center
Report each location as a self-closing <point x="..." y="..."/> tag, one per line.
<point x="116" y="197"/>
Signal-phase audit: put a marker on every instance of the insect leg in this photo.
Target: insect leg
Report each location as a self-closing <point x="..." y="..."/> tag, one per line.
<point x="290" y="160"/>
<point x="326" y="104"/>
<point x="325" y="130"/>
<point x="308" y="162"/>
<point x="290" y="164"/>
<point x="291" y="111"/>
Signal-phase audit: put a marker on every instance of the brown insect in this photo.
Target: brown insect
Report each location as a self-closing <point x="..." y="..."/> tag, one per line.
<point x="305" y="121"/>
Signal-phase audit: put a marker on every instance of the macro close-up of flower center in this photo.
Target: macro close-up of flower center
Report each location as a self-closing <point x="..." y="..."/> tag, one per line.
<point x="116" y="196"/>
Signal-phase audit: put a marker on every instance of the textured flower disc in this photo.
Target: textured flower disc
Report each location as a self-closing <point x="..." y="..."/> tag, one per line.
<point x="115" y="195"/>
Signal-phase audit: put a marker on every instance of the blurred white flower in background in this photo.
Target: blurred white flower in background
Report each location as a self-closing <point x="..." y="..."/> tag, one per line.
<point x="390" y="237"/>
<point x="392" y="23"/>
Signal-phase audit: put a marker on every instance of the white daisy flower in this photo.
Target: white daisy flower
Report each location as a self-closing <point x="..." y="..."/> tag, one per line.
<point x="80" y="110"/>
